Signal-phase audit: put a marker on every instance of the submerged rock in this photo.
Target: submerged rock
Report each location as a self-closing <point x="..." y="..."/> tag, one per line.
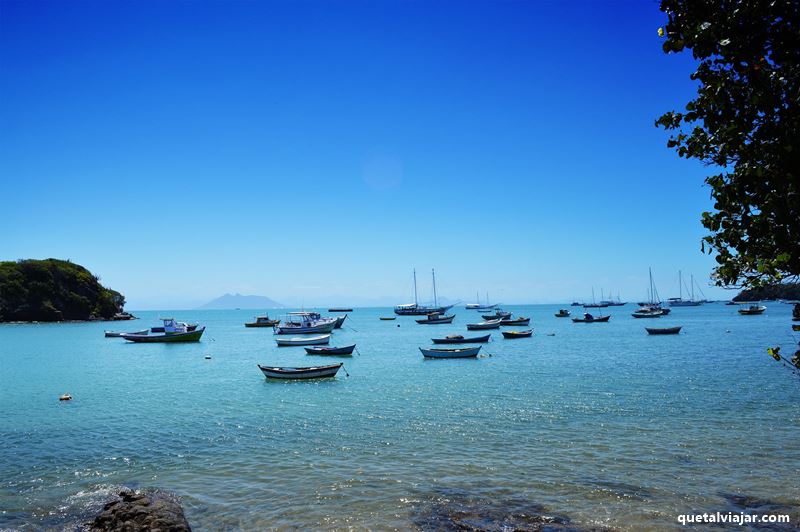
<point x="457" y="512"/>
<point x="134" y="511"/>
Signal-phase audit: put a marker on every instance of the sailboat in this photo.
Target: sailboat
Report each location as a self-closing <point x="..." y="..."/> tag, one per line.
<point x="679" y="301"/>
<point x="415" y="309"/>
<point x="593" y="304"/>
<point x="487" y="306"/>
<point x="652" y="307"/>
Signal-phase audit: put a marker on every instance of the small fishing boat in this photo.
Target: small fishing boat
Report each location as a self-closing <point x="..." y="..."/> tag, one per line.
<point x="488" y="324"/>
<point x="499" y="314"/>
<point x="517" y="334"/>
<point x="562" y="313"/>
<point x="339" y="321"/>
<point x="167" y="337"/>
<point x="387" y="318"/>
<point x="588" y="318"/>
<point x="517" y="321"/>
<point x="435" y="318"/>
<point x="263" y="321"/>
<point x="752" y="310"/>
<point x="575" y="304"/>
<point x="459" y="339"/>
<point x="340" y="309"/>
<point x="663" y="330"/>
<point x="463" y="352"/>
<point x="188" y="326"/>
<point x="304" y="340"/>
<point x="647" y="312"/>
<point x="116" y="334"/>
<point x="311" y="372"/>
<point x="346" y="350"/>
<point x="305" y="323"/>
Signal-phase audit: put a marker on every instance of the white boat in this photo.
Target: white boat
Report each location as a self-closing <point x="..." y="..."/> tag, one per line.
<point x="304" y="340"/>
<point x="118" y="334"/>
<point x="752" y="310"/>
<point x="464" y="352"/>
<point x="647" y="309"/>
<point x="415" y="309"/>
<point x="488" y="324"/>
<point x="479" y="305"/>
<point x="305" y="323"/>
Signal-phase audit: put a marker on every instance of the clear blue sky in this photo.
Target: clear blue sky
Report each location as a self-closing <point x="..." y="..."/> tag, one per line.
<point x="317" y="151"/>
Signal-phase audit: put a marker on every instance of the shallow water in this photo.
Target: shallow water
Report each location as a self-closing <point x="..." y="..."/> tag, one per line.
<point x="600" y="422"/>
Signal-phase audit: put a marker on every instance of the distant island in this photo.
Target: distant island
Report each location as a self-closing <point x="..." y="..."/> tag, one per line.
<point x="54" y="290"/>
<point x="231" y="301"/>
<point x="787" y="291"/>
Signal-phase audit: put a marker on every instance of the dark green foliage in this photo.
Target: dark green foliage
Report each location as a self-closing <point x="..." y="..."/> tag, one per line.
<point x="53" y="290"/>
<point x="745" y="124"/>
<point x="789" y="292"/>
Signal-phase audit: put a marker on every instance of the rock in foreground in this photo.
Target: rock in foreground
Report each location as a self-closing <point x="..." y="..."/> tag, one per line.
<point x="134" y="511"/>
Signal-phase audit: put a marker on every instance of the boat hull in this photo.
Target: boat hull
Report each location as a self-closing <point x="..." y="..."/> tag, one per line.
<point x="511" y="335"/>
<point x="346" y="350"/>
<point x="520" y="321"/>
<point x="339" y="322"/>
<point x="115" y="334"/>
<point x="304" y="373"/>
<point x="462" y="340"/>
<point x="313" y="329"/>
<point x="271" y="323"/>
<point x="467" y="352"/>
<point x="189" y="336"/>
<point x="436" y="321"/>
<point x="665" y="330"/>
<point x="416" y="310"/>
<point x="314" y="340"/>
<point x="601" y="319"/>
<point x="494" y="324"/>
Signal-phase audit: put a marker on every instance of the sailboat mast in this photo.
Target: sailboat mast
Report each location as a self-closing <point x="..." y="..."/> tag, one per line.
<point x="415" y="287"/>
<point x="692" y="285"/>
<point x="680" y="285"/>
<point x="433" y="274"/>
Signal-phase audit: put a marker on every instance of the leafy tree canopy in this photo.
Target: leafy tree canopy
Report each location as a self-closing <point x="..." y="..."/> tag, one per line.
<point x="53" y="290"/>
<point x="745" y="124"/>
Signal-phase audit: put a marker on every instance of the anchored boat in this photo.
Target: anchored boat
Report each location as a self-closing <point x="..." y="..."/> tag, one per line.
<point x="435" y="318"/>
<point x="752" y="310"/>
<point x="173" y="332"/>
<point x="346" y="350"/>
<point x="459" y="339"/>
<point x="517" y="321"/>
<point x="488" y="324"/>
<point x="665" y="330"/>
<point x="312" y="372"/>
<point x="115" y="334"/>
<point x="464" y="352"/>
<point x="305" y="323"/>
<point x="263" y="321"/>
<point x="517" y="334"/>
<point x="588" y="318"/>
<point x="303" y="340"/>
<point x="562" y="313"/>
<point x="415" y="309"/>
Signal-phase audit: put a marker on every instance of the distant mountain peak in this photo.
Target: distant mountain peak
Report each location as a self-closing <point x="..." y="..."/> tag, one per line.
<point x="237" y="300"/>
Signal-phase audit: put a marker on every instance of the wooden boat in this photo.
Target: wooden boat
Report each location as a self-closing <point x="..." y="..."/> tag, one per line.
<point x="664" y="330"/>
<point x="339" y="322"/>
<point x="488" y="324"/>
<point x="167" y="337"/>
<point x="517" y="334"/>
<point x="462" y="352"/>
<point x="388" y="318"/>
<point x="795" y="328"/>
<point x="435" y="318"/>
<point x="304" y="340"/>
<point x="459" y="339"/>
<point x="262" y="321"/>
<point x="346" y="350"/>
<point x="588" y="318"/>
<point x="311" y="372"/>
<point x="647" y="312"/>
<point x="501" y="314"/>
<point x="562" y="313"/>
<point x="305" y="323"/>
<point x="518" y="321"/>
<point x="752" y="310"/>
<point x="340" y="309"/>
<point x="116" y="334"/>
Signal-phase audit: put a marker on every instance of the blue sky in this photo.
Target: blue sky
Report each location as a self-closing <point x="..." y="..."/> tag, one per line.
<point x="318" y="151"/>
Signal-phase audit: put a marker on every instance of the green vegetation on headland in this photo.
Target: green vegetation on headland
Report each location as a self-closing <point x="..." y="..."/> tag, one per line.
<point x="789" y="292"/>
<point x="54" y="290"/>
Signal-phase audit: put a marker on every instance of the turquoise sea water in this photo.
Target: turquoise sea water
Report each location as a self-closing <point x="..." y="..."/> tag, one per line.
<point x="599" y="422"/>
